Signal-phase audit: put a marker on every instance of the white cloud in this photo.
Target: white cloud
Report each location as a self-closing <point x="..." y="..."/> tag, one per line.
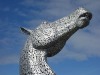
<point x="6" y="9"/>
<point x="60" y="8"/>
<point x="68" y="54"/>
<point x="32" y="3"/>
<point x="22" y="14"/>
<point x="10" y="59"/>
<point x="33" y="23"/>
<point x="10" y="41"/>
<point x="88" y="43"/>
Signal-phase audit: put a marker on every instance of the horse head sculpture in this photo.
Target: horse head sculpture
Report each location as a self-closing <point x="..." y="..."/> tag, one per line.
<point x="47" y="40"/>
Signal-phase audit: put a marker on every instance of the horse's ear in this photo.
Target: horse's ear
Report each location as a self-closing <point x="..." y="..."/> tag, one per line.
<point x="26" y="31"/>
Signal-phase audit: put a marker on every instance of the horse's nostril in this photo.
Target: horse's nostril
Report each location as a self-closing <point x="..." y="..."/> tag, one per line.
<point x="88" y="15"/>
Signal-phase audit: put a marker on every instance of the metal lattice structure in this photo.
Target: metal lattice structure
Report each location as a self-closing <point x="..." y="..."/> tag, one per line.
<point x="47" y="40"/>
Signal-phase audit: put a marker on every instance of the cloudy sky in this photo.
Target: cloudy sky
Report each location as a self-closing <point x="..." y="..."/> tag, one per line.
<point x="80" y="56"/>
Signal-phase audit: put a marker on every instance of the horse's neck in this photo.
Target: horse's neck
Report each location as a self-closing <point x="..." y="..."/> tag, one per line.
<point x="35" y="54"/>
<point x="33" y="61"/>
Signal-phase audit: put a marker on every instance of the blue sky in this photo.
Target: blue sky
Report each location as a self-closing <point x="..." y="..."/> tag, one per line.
<point x="81" y="54"/>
